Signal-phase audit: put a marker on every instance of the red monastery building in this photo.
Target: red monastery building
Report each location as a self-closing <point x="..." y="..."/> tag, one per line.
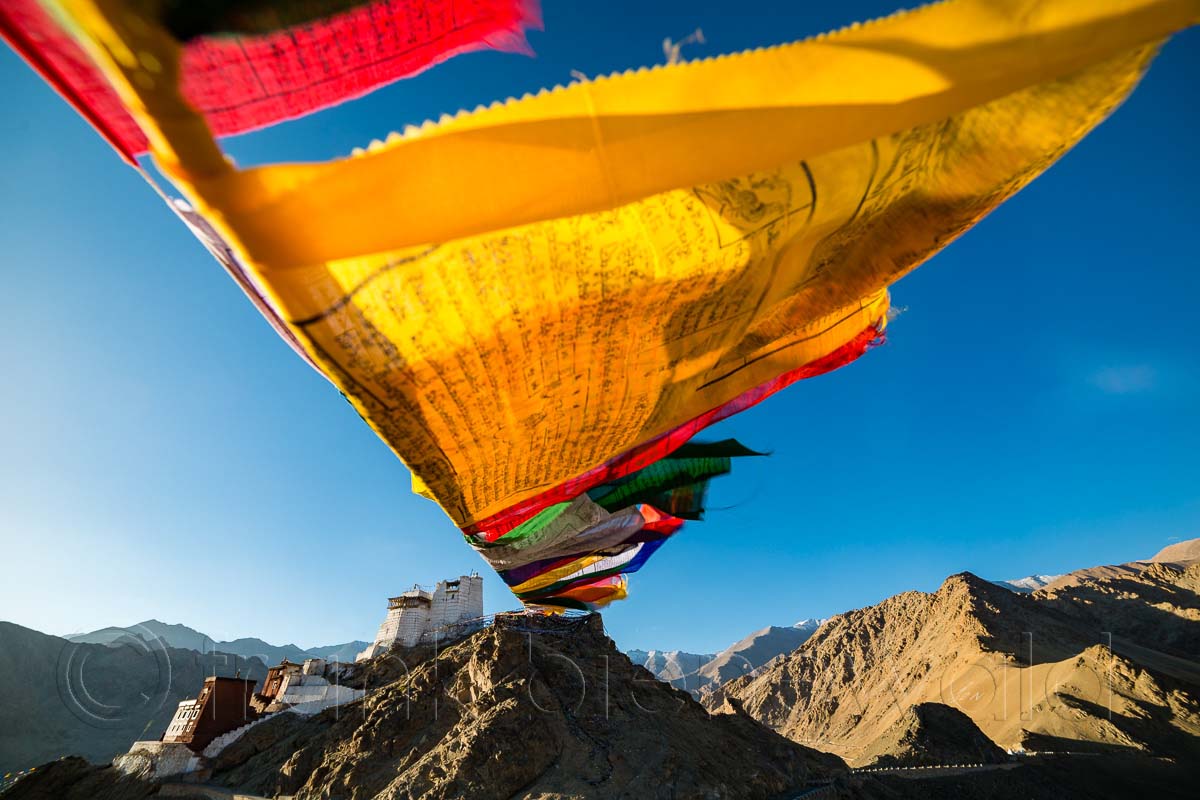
<point x="222" y="705"/>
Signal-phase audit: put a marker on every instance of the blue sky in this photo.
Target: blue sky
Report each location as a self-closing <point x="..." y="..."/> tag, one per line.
<point x="163" y="454"/>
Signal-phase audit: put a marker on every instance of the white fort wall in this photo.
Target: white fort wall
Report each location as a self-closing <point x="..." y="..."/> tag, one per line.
<point x="302" y="689"/>
<point x="416" y="616"/>
<point x="455" y="601"/>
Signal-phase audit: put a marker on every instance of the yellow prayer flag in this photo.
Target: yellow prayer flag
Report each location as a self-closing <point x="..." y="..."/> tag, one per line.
<point x="516" y="297"/>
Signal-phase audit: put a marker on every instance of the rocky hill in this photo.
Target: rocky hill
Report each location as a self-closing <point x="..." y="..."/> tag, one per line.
<point x="530" y="707"/>
<point x="64" y="698"/>
<point x="1031" y="671"/>
<point x="929" y="734"/>
<point x="1155" y="603"/>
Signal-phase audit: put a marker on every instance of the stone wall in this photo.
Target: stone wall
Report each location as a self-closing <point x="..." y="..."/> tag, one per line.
<point x="455" y="601"/>
<point x="316" y="699"/>
<point x="154" y="760"/>
<point x="224" y="740"/>
<point x="303" y="689"/>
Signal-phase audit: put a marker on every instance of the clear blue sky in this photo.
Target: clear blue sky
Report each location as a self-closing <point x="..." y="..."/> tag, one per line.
<point x="163" y="454"/>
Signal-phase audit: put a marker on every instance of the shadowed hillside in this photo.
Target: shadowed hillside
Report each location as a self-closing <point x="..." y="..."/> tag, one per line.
<point x="930" y="734"/>
<point x="64" y="698"/>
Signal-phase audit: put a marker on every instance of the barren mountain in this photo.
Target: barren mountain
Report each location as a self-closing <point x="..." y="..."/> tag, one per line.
<point x="1153" y="603"/>
<point x="1029" y="670"/>
<point x="929" y="734"/>
<point x="63" y="698"/>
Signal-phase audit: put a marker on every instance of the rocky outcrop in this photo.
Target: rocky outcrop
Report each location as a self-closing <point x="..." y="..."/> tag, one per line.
<point x="73" y="778"/>
<point x="157" y="761"/>
<point x="531" y="707"/>
<point x="1180" y="554"/>
<point x="1157" y="604"/>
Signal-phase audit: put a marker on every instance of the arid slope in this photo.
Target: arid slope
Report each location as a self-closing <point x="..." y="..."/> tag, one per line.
<point x="1031" y="671"/>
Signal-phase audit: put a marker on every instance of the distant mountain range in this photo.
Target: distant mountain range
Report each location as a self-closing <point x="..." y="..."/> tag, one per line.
<point x="93" y="694"/>
<point x="670" y="666"/>
<point x="62" y="698"/>
<point x="1028" y="584"/>
<point x="694" y="672"/>
<point x="185" y="638"/>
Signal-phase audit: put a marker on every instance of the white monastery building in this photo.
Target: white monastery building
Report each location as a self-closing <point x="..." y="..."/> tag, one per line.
<point x="419" y="616"/>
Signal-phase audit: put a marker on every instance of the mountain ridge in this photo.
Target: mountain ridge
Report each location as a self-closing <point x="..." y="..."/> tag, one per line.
<point x="697" y="672"/>
<point x="186" y="638"/>
<point x="1023" y="667"/>
<point x="1179" y="553"/>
